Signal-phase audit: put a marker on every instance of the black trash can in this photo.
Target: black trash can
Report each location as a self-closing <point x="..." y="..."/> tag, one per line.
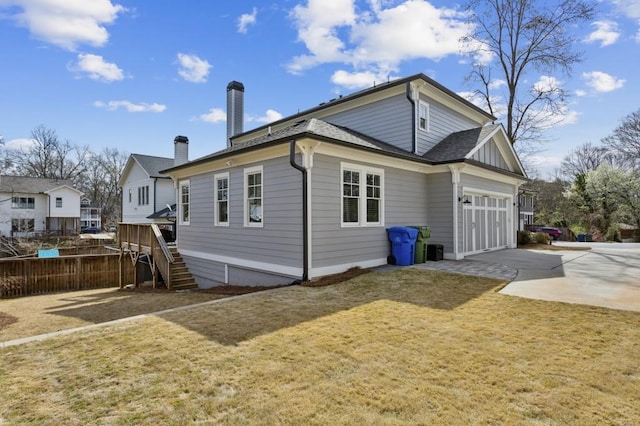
<point x="435" y="252"/>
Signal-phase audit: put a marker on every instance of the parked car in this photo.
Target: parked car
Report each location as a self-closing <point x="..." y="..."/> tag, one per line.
<point x="91" y="230"/>
<point x="554" y="233"/>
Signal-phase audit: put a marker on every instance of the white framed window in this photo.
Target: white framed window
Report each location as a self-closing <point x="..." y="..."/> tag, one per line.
<point x="253" y="196"/>
<point x="143" y="195"/>
<point x="22" y="225"/>
<point x="362" y="200"/>
<point x="221" y="210"/>
<point x="129" y="196"/>
<point x="184" y="191"/>
<point x="23" y="203"/>
<point x="423" y="116"/>
<point x="58" y="202"/>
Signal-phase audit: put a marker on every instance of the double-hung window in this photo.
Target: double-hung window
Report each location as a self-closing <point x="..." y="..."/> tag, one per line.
<point x="58" y="202"/>
<point x="221" y="185"/>
<point x="23" y="203"/>
<point x="143" y="195"/>
<point x="423" y="116"/>
<point x="362" y="195"/>
<point x="253" y="196"/>
<point x="185" y="198"/>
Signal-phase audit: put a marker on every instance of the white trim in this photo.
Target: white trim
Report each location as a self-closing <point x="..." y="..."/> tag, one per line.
<point x="244" y="263"/>
<point x="216" y="218"/>
<point x="363" y="170"/>
<point x="182" y="184"/>
<point x="336" y="269"/>
<point x="247" y="172"/>
<point x="427" y="127"/>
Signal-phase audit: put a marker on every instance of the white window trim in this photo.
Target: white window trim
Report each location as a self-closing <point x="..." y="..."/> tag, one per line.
<point x="182" y="184"/>
<point x="58" y="206"/>
<point x="427" y="121"/>
<point x="362" y="206"/>
<point x="216" y="218"/>
<point x="247" y="172"/>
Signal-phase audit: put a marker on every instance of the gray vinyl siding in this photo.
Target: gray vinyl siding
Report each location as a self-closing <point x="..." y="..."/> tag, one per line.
<point x="389" y="120"/>
<point x="440" y="210"/>
<point x="278" y="242"/>
<point x="405" y="203"/>
<point x="442" y="122"/>
<point x="489" y="154"/>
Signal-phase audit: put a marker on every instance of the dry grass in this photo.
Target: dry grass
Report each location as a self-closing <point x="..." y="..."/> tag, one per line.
<point x="35" y="315"/>
<point x="405" y="347"/>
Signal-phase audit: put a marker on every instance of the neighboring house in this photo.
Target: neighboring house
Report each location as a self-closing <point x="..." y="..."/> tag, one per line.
<point x="90" y="215"/>
<point x="34" y="206"/>
<point x="526" y="210"/>
<point x="145" y="190"/>
<point x="313" y="194"/>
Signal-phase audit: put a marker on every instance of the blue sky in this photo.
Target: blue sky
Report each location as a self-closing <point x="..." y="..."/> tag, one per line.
<point x="133" y="75"/>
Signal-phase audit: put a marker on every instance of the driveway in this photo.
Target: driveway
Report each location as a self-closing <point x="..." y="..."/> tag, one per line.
<point x="608" y="275"/>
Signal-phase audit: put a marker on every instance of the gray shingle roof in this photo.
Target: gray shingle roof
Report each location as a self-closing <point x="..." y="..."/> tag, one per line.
<point x="312" y="126"/>
<point x="30" y="185"/>
<point x="457" y="145"/>
<point x="152" y="165"/>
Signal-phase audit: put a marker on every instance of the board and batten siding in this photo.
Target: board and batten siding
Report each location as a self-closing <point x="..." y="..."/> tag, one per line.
<point x="131" y="211"/>
<point x="388" y="120"/>
<point x="490" y="154"/>
<point x="442" y="122"/>
<point x="440" y="210"/>
<point x="405" y="203"/>
<point x="277" y="243"/>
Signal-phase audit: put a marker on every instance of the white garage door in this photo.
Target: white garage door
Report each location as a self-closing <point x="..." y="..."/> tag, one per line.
<point x="485" y="223"/>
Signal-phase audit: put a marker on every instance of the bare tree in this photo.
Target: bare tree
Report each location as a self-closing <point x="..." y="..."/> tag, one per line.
<point x="584" y="159"/>
<point x="625" y="139"/>
<point x="520" y="37"/>
<point x="49" y="157"/>
<point x="100" y="182"/>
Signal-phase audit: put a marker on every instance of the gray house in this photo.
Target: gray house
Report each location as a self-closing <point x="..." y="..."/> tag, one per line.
<point x="314" y="193"/>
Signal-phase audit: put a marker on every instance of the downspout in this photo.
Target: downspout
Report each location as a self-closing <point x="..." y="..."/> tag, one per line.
<point x="305" y="219"/>
<point x="414" y="147"/>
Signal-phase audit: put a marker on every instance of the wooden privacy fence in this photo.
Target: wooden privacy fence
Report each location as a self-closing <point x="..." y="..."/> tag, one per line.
<point x="30" y="276"/>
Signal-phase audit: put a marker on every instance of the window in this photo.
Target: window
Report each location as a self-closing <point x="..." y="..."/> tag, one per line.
<point x="129" y="196"/>
<point x="143" y="195"/>
<point x="23" y="203"/>
<point x="253" y="196"/>
<point x="362" y="199"/>
<point x="423" y="116"/>
<point x="58" y="202"/>
<point x="184" y="202"/>
<point x="221" y="182"/>
<point x="22" y="225"/>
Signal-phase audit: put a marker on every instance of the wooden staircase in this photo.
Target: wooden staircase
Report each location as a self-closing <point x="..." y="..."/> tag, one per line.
<point x="181" y="278"/>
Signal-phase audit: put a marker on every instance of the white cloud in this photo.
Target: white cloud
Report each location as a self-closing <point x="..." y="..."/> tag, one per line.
<point x="130" y="106"/>
<point x="96" y="68"/>
<point x="547" y="84"/>
<point x="269" y="117"/>
<point x="377" y="40"/>
<point x="602" y="82"/>
<point x="215" y="115"/>
<point x="247" y="19"/>
<point x="581" y="93"/>
<point x="20" y="144"/>
<point x="356" y="80"/>
<point x="193" y="68"/>
<point x="631" y="8"/>
<point x="66" y="23"/>
<point x="606" y="33"/>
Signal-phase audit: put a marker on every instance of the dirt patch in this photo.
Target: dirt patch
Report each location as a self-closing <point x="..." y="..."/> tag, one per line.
<point x="223" y="290"/>
<point x="6" y="320"/>
<point x="553" y="247"/>
<point x="336" y="278"/>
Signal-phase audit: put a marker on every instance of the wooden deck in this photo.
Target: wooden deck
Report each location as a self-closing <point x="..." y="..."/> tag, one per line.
<point x="139" y="242"/>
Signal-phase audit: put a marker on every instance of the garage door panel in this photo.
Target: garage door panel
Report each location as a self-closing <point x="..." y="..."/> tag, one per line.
<point x="485" y="223"/>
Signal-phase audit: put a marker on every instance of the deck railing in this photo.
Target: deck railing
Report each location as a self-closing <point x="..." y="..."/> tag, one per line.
<point x="146" y="239"/>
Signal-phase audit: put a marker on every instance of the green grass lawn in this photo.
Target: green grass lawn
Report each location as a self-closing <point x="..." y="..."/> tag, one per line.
<point x="405" y="347"/>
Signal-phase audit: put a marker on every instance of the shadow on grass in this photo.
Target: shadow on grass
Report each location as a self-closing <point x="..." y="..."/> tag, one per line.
<point x="241" y="319"/>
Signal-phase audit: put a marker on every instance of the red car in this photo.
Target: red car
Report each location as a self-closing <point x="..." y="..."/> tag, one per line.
<point x="554" y="233"/>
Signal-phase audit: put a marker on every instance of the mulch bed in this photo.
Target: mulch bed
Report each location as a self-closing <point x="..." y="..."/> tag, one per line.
<point x="336" y="278"/>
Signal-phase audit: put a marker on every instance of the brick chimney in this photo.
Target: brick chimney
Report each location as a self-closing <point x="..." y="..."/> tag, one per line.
<point x="235" y="109"/>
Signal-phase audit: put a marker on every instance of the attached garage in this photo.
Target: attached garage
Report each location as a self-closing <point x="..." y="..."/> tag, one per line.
<point x="486" y="222"/>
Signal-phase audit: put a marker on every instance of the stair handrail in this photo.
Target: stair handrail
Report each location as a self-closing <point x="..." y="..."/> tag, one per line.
<point x="162" y="243"/>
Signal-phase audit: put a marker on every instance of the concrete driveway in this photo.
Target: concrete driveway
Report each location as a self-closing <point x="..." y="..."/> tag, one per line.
<point x="608" y="275"/>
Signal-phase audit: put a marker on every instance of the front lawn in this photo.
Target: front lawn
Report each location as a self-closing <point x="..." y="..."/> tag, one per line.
<point x="405" y="347"/>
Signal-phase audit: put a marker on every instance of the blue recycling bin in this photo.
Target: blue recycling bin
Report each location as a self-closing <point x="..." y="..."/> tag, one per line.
<point x="581" y="238"/>
<point x="403" y="241"/>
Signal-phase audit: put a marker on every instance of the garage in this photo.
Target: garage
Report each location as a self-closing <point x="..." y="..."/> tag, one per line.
<point x="485" y="222"/>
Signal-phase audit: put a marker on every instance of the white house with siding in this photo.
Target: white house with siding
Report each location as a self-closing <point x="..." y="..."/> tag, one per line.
<point x="314" y="193"/>
<point x="36" y="206"/>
